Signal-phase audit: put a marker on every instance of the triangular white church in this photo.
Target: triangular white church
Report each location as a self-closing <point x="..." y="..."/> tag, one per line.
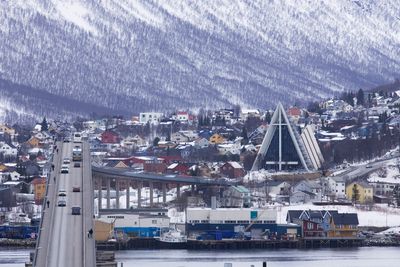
<point x="283" y="148"/>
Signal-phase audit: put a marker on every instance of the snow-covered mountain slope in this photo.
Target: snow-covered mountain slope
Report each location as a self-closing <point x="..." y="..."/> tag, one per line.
<point x="132" y="55"/>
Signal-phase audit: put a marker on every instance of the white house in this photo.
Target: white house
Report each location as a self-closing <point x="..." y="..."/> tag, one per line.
<point x="151" y="117"/>
<point x="232" y="148"/>
<point x="307" y="186"/>
<point x="182" y="116"/>
<point x="277" y="187"/>
<point x="179" y="137"/>
<point x="201" y="143"/>
<point x="334" y="187"/>
<point x="8" y="150"/>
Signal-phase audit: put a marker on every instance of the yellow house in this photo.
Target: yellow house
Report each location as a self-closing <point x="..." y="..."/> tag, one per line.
<point x="360" y="192"/>
<point x="34" y="141"/>
<point x="39" y="189"/>
<point x="343" y="225"/>
<point x="6" y="129"/>
<point x="121" y="164"/>
<point x="3" y="167"/>
<point x="102" y="230"/>
<point x="216" y="139"/>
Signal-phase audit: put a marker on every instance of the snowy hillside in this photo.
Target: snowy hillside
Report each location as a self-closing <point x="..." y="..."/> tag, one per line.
<point x="133" y="55"/>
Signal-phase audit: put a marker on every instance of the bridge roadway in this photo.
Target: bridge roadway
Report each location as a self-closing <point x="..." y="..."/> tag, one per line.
<point x="63" y="239"/>
<point x="152" y="177"/>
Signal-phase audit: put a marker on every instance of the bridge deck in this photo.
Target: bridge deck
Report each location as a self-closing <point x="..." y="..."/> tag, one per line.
<point x="63" y="238"/>
<point x="169" y="178"/>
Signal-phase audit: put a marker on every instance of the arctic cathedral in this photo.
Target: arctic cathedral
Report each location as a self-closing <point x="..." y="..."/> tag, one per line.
<point x="285" y="149"/>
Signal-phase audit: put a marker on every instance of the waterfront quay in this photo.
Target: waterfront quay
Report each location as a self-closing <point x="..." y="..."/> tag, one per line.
<point x="232" y="244"/>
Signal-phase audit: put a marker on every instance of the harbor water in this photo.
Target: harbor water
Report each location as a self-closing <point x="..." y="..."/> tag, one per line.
<point x="343" y="257"/>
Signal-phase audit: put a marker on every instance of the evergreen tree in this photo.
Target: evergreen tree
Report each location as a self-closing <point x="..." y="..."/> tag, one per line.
<point x="356" y="194"/>
<point x="360" y="97"/>
<point x="44" y="124"/>
<point x="268" y="117"/>
<point x="244" y="135"/>
<point x="155" y="141"/>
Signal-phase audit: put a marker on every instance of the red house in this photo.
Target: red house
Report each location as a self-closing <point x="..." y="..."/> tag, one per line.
<point x="178" y="168"/>
<point x="312" y="229"/>
<point x="109" y="137"/>
<point x="156" y="167"/>
<point x="232" y="169"/>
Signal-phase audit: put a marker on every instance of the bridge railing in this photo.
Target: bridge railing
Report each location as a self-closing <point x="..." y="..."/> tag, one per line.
<point x="42" y="212"/>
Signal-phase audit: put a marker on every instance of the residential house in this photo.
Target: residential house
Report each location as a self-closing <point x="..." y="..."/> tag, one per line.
<point x="232" y="148"/>
<point x="28" y="168"/>
<point x="334" y="187"/>
<point x="34" y="142"/>
<point x="179" y="137"/>
<point x="182" y="116"/>
<point x="109" y="137"/>
<point x="343" y="225"/>
<point x="232" y="169"/>
<point x="39" y="189"/>
<point x="295" y="113"/>
<point x="178" y="168"/>
<point x="360" y="192"/>
<point x="247" y="113"/>
<point x="15" y="176"/>
<point x="200" y="143"/>
<point x="8" y="196"/>
<point x="117" y="164"/>
<point x="382" y="188"/>
<point x="150" y="117"/>
<point x="308" y="187"/>
<point x="133" y="142"/>
<point x="324" y="223"/>
<point x="147" y="163"/>
<point x="216" y="139"/>
<point x="275" y="188"/>
<point x="155" y="167"/>
<point x="8" y="150"/>
<point x="166" y="144"/>
<point x="236" y="197"/>
<point x="7" y="129"/>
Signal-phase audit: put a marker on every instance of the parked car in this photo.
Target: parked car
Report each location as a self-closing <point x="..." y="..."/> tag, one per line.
<point x="76" y="211"/>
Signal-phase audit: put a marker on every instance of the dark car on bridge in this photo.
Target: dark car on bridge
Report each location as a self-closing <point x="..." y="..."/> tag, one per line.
<point x="76" y="211"/>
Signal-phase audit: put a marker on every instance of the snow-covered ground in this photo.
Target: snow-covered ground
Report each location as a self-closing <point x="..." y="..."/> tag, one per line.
<point x="389" y="174"/>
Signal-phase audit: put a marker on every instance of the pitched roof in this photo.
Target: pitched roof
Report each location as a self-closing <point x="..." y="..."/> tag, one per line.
<point x="235" y="164"/>
<point x="345" y="218"/>
<point x="294" y="214"/>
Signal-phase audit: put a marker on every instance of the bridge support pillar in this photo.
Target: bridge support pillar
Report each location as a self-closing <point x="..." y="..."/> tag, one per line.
<point x="116" y="194"/>
<point x="139" y="194"/>
<point x="100" y="193"/>
<point x="128" y="184"/>
<point x="164" y="193"/>
<point x="108" y="192"/>
<point x="178" y="190"/>
<point x="151" y="193"/>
